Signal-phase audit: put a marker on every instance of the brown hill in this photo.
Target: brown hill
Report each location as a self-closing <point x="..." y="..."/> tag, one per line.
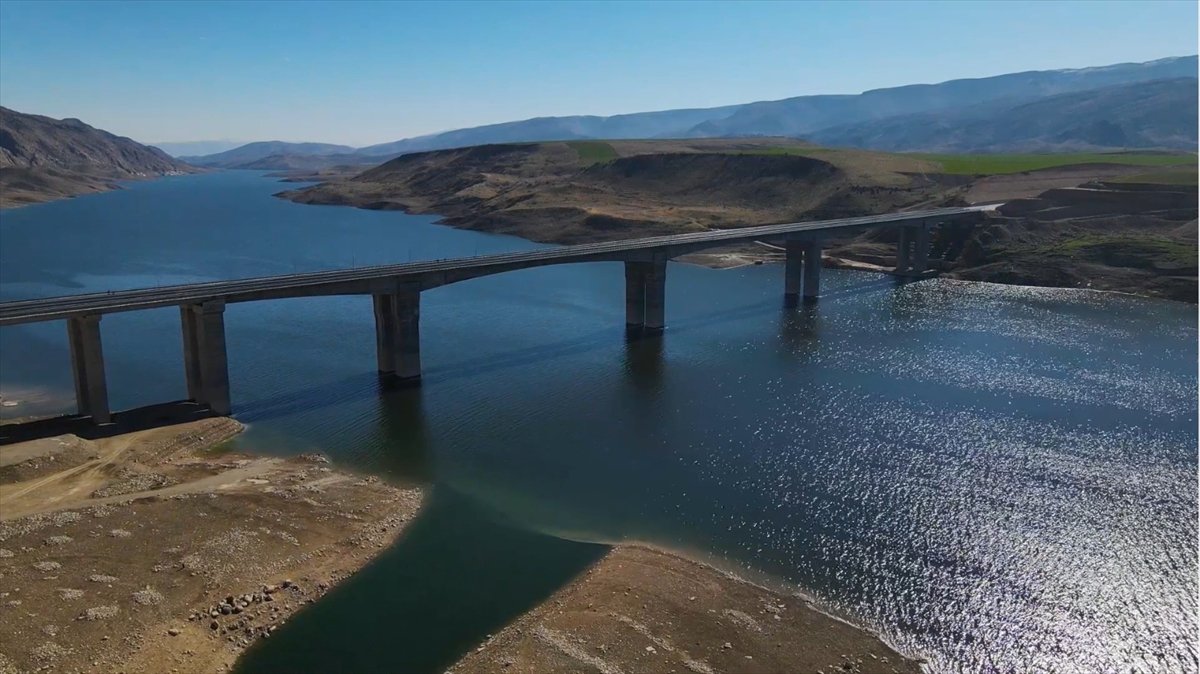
<point x="569" y="192"/>
<point x="1114" y="235"/>
<point x="43" y="159"/>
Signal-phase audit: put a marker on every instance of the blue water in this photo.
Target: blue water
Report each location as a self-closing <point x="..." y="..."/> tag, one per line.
<point x="993" y="478"/>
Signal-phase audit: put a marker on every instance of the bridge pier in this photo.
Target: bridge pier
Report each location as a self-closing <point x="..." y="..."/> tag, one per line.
<point x="205" y="362"/>
<point x="645" y="295"/>
<point x="801" y="270"/>
<point x="920" y="259"/>
<point x="87" y="365"/>
<point x="398" y="333"/>
<point x="912" y="256"/>
<point x="812" y="270"/>
<point x="904" y="251"/>
<point x="793" y="271"/>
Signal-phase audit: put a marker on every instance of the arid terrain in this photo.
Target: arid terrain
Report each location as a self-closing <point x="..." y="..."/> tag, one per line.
<point x="153" y="552"/>
<point x="43" y="159"/>
<point x="640" y="610"/>
<point x="1062" y="228"/>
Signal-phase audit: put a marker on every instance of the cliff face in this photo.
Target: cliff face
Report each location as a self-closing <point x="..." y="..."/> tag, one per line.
<point x="43" y="159"/>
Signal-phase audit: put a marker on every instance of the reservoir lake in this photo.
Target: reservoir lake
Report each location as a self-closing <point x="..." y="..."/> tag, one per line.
<point x="993" y="478"/>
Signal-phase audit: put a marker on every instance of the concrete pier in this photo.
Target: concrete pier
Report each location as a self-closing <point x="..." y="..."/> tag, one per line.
<point x="398" y="333"/>
<point x="645" y="295"/>
<point x="191" y="352"/>
<point x="87" y="364"/>
<point x="920" y="259"/>
<point x="204" y="359"/>
<point x="793" y="271"/>
<point x="904" y="251"/>
<point x="912" y="257"/>
<point x="812" y="270"/>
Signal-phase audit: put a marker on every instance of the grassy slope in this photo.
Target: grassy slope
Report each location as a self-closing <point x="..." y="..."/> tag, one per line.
<point x="995" y="164"/>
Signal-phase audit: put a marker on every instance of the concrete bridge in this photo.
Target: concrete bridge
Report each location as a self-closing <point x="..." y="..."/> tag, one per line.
<point x="396" y="292"/>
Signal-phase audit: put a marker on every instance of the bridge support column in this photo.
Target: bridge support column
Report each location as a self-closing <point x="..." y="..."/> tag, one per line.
<point x="191" y="352"/>
<point x="920" y="259"/>
<point x="635" y="296"/>
<point x="87" y="364"/>
<point x="205" y="362"/>
<point x="398" y="333"/>
<point x="793" y="264"/>
<point x="903" y="251"/>
<point x="645" y="296"/>
<point x="812" y="270"/>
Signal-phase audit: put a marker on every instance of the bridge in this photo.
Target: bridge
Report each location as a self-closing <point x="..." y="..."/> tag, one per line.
<point x="396" y="293"/>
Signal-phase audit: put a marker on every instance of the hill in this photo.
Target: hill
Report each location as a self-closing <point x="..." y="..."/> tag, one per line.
<point x="259" y="150"/>
<point x="823" y="117"/>
<point x="1155" y="114"/>
<point x="43" y="159"/>
<point x="1055" y="233"/>
<point x="569" y="192"/>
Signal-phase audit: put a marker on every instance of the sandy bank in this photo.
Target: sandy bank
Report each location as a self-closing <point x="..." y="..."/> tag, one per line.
<point x="644" y="611"/>
<point x="149" y="552"/>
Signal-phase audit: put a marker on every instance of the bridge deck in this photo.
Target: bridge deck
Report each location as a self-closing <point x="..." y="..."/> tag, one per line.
<point x="435" y="272"/>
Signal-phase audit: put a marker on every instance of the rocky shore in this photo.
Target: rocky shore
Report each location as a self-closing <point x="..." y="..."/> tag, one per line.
<point x="153" y="552"/>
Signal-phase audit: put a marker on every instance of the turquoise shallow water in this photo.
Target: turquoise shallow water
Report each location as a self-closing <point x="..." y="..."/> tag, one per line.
<point x="995" y="478"/>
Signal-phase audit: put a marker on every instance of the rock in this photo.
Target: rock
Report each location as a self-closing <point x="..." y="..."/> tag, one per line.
<point x="226" y="609"/>
<point x="173" y="632"/>
<point x="726" y="646"/>
<point x="214" y="625"/>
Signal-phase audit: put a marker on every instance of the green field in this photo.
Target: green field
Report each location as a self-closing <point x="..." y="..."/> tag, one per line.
<point x="992" y="164"/>
<point x="593" y="152"/>
<point x="1147" y="248"/>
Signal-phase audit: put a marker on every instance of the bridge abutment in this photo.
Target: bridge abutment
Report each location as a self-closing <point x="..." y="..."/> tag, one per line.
<point x="398" y="333"/>
<point x="87" y="365"/>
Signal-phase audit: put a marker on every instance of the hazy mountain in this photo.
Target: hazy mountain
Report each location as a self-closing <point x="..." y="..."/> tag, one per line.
<point x="295" y="162"/>
<point x="1157" y="114"/>
<point x="43" y="158"/>
<point x="197" y="148"/>
<point x="805" y="115"/>
<point x="255" y="151"/>
<point x="661" y="124"/>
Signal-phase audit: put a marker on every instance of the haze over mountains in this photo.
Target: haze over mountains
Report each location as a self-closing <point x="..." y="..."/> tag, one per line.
<point x="43" y="159"/>
<point x="1131" y="105"/>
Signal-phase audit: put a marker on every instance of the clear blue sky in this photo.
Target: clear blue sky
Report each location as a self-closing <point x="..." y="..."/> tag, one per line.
<point x="361" y="73"/>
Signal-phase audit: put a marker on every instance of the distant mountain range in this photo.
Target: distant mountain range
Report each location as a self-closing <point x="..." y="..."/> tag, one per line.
<point x="255" y="151"/>
<point x="197" y="148"/>
<point x="1154" y="114"/>
<point x="1129" y="105"/>
<point x="43" y="159"/>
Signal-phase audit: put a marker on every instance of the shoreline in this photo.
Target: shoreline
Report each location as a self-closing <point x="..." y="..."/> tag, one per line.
<point x="155" y="550"/>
